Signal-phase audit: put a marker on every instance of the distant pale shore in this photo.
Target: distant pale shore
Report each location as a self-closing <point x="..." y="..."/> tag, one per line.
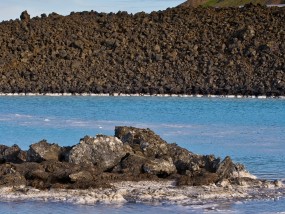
<point x="140" y="95"/>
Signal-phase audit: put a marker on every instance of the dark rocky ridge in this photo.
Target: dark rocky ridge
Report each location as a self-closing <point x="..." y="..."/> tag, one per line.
<point x="132" y="155"/>
<point x="230" y="3"/>
<point x="180" y="50"/>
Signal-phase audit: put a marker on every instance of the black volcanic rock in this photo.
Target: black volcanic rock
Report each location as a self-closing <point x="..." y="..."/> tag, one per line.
<point x="25" y="16"/>
<point x="142" y="141"/>
<point x="181" y="50"/>
<point x="103" y="151"/>
<point x="134" y="154"/>
<point x="43" y="151"/>
<point x="12" y="154"/>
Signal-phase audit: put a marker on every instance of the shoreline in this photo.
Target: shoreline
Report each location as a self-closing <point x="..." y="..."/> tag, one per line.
<point x="138" y="95"/>
<point x="148" y="192"/>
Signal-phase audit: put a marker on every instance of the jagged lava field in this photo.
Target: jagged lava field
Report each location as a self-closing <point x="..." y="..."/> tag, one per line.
<point x="181" y="50"/>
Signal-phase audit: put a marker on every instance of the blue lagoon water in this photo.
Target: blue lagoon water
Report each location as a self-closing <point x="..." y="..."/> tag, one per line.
<point x="251" y="131"/>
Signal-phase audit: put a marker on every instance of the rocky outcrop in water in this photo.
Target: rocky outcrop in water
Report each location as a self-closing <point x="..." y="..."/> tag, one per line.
<point x="133" y="154"/>
<point x="181" y="50"/>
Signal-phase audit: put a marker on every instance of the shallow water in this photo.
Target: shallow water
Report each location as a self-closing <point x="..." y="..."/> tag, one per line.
<point x="251" y="131"/>
<point x="265" y="206"/>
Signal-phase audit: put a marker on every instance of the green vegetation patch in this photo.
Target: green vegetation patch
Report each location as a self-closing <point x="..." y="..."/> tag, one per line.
<point x="231" y="3"/>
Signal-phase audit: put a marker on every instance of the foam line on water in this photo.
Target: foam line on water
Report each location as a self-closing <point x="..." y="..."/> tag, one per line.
<point x="145" y="95"/>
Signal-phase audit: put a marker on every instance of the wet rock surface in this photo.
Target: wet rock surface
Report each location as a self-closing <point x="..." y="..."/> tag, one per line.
<point x="133" y="154"/>
<point x="181" y="50"/>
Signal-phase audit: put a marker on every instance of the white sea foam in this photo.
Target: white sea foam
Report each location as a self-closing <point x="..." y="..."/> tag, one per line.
<point x="154" y="192"/>
<point x="137" y="95"/>
<point x="21" y="115"/>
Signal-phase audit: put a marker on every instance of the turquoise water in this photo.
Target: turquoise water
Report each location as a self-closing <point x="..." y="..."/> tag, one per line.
<point x="266" y="206"/>
<point x="251" y="131"/>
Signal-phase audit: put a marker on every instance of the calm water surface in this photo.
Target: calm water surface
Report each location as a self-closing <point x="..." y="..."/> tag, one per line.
<point x="251" y="131"/>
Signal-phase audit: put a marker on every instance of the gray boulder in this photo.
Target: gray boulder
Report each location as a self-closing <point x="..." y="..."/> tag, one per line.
<point x="43" y="151"/>
<point x="2" y="150"/>
<point x="185" y="160"/>
<point x="143" y="141"/>
<point x="103" y="151"/>
<point x="81" y="176"/>
<point x="160" y="167"/>
<point x="132" y="164"/>
<point x="227" y="169"/>
<point x="25" y="16"/>
<point x="12" y="154"/>
<point x="181" y="157"/>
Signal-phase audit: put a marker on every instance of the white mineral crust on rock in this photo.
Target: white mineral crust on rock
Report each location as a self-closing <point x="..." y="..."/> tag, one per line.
<point x="105" y="151"/>
<point x="148" y="192"/>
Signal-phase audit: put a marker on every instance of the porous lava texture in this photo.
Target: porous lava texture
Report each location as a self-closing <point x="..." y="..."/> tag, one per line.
<point x="133" y="154"/>
<point x="181" y="50"/>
